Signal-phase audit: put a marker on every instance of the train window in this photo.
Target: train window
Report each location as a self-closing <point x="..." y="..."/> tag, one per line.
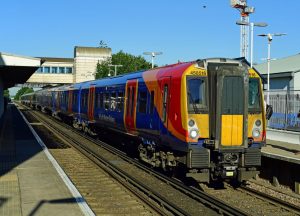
<point x="196" y="94"/>
<point x="86" y="99"/>
<point x="74" y="99"/>
<point x="67" y="98"/>
<point x="106" y="101"/>
<point x="165" y="103"/>
<point x="232" y="95"/>
<point x="97" y="100"/>
<point x="120" y="101"/>
<point x="82" y="100"/>
<point x="151" y="102"/>
<point x="113" y="102"/>
<point x="101" y="100"/>
<point x="142" y="102"/>
<point x="254" y="94"/>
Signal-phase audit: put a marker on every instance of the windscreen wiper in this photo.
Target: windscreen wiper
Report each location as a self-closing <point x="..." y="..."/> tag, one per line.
<point x="194" y="103"/>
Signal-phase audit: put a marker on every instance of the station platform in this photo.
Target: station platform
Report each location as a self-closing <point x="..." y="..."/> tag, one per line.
<point x="285" y="151"/>
<point x="29" y="182"/>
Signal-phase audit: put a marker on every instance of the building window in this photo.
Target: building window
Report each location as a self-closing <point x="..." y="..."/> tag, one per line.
<point x="46" y="69"/>
<point x="53" y="69"/>
<point x="39" y="70"/>
<point x="68" y="70"/>
<point x="61" y="70"/>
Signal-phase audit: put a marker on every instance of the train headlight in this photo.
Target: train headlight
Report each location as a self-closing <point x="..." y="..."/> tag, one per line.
<point x="255" y="132"/>
<point x="258" y="123"/>
<point x="191" y="123"/>
<point x="194" y="133"/>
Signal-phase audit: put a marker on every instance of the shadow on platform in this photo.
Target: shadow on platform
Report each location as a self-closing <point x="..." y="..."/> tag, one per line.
<point x="55" y="201"/>
<point x="17" y="143"/>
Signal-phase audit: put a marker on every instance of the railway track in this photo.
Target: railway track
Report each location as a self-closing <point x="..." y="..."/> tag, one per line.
<point x="255" y="202"/>
<point x="170" y="194"/>
<point x="103" y="193"/>
<point x="198" y="198"/>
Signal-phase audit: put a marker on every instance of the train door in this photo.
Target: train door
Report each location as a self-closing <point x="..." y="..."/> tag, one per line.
<point x="228" y="110"/>
<point x="130" y="105"/>
<point x="91" y="103"/>
<point x="164" y="84"/>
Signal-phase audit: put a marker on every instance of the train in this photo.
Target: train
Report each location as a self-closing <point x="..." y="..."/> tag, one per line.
<point x="206" y="118"/>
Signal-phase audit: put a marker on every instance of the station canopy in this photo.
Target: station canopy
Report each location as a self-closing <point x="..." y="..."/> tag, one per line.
<point x="15" y="69"/>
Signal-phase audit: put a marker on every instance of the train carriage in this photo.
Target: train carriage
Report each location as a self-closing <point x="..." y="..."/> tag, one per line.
<point x="207" y="116"/>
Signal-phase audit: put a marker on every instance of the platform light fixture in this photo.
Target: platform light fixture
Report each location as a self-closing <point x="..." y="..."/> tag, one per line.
<point x="251" y="25"/>
<point x="116" y="66"/>
<point x="270" y="38"/>
<point x="153" y="54"/>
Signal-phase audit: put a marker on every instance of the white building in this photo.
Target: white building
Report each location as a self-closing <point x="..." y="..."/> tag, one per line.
<point x="284" y="73"/>
<point x="70" y="70"/>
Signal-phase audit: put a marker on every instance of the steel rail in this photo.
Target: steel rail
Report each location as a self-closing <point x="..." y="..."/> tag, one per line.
<point x="204" y="198"/>
<point x="118" y="173"/>
<point x="274" y="200"/>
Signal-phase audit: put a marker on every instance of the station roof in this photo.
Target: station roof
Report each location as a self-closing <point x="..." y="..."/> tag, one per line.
<point x="16" y="69"/>
<point x="55" y="59"/>
<point x="290" y="64"/>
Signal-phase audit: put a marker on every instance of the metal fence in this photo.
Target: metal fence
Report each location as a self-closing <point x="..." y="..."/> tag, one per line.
<point x="286" y="110"/>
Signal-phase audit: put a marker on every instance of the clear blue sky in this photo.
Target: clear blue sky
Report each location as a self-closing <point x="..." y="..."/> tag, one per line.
<point x="182" y="30"/>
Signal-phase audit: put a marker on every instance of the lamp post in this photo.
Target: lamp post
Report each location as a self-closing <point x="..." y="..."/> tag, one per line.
<point x="251" y="24"/>
<point x="153" y="54"/>
<point x="270" y="38"/>
<point x="110" y="65"/>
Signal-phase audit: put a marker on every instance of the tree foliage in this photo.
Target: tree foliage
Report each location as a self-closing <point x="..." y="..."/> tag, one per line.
<point x="129" y="62"/>
<point x="6" y="93"/>
<point x="22" y="91"/>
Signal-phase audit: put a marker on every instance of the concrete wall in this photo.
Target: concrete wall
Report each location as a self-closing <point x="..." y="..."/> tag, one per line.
<point x="51" y="78"/>
<point x="85" y="62"/>
<point x="1" y="98"/>
<point x="85" y="68"/>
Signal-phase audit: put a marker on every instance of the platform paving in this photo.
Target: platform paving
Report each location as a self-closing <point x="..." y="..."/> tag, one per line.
<point x="29" y="184"/>
<point x="282" y="151"/>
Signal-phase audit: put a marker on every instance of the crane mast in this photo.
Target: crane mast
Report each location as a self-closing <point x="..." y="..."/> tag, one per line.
<point x="245" y="11"/>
